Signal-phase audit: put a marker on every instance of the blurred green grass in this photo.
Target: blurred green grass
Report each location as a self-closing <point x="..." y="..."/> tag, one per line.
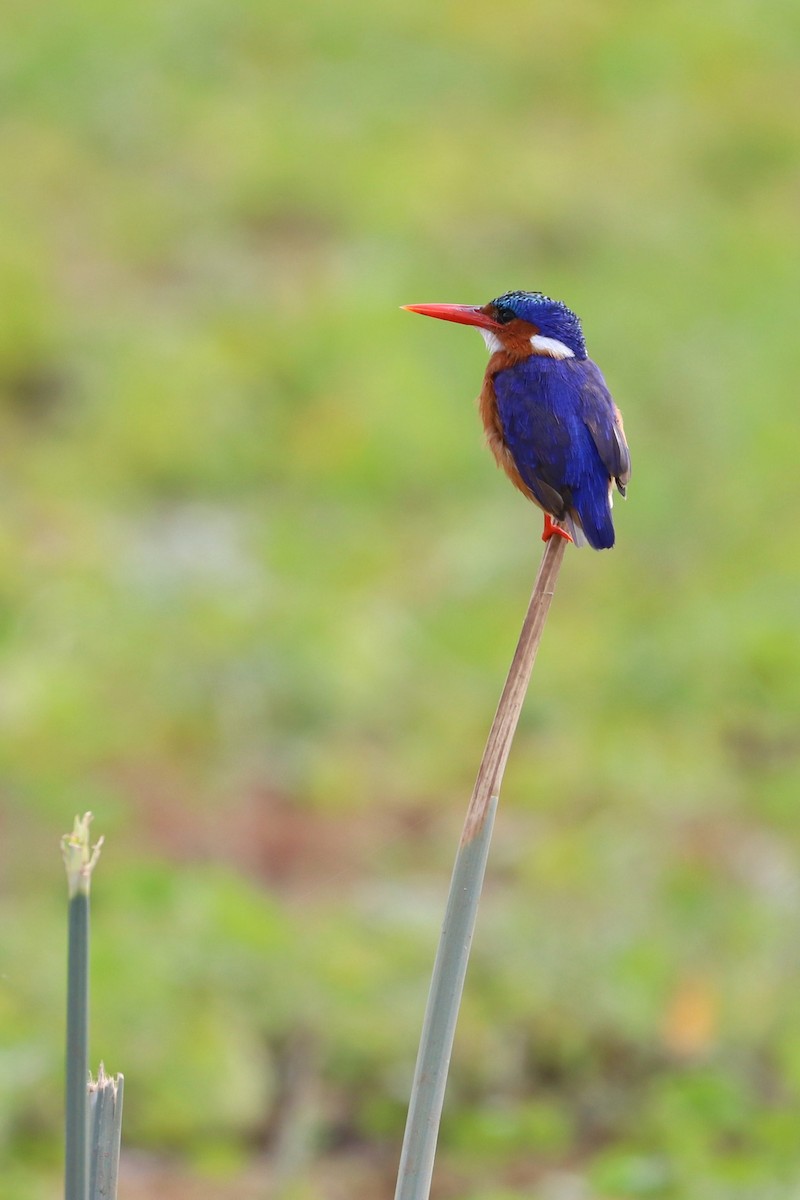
<point x="259" y="583"/>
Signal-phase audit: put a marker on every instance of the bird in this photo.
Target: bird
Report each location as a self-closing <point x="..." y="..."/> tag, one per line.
<point x="549" y="418"/>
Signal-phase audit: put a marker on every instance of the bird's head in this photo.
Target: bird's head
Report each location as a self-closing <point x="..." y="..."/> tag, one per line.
<point x="521" y="323"/>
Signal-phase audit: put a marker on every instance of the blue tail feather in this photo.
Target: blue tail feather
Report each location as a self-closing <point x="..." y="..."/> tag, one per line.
<point x="599" y="533"/>
<point x="594" y="514"/>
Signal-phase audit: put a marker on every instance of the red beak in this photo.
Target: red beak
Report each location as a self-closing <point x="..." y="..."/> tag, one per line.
<point x="462" y="314"/>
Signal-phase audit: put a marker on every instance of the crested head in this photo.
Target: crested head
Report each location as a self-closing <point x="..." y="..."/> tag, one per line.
<point x="558" y="332"/>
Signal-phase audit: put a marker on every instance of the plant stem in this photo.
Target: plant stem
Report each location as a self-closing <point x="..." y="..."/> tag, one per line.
<point x="105" y="1108"/>
<point x="77" y="1151"/>
<point x="79" y="861"/>
<point x="447" y="984"/>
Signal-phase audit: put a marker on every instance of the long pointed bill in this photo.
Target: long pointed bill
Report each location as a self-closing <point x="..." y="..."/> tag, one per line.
<point x="462" y="314"/>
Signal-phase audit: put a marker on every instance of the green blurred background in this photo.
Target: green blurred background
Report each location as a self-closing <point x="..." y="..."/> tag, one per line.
<point x="260" y="583"/>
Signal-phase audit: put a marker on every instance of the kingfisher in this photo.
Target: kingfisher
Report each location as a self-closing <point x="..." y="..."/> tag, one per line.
<point x="549" y="418"/>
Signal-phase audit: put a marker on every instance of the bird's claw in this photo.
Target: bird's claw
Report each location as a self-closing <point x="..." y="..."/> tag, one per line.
<point x="551" y="529"/>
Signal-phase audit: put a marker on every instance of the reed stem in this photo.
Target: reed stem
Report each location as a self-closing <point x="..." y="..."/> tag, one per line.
<point x="79" y="861"/>
<point x="105" y="1121"/>
<point x="447" y="984"/>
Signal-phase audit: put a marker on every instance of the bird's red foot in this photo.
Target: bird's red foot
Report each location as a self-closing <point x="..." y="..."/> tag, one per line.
<point x="553" y="530"/>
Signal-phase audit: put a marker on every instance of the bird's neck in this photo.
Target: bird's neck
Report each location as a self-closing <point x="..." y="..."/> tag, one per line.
<point x="509" y="357"/>
<point x="503" y="360"/>
<point x="519" y="341"/>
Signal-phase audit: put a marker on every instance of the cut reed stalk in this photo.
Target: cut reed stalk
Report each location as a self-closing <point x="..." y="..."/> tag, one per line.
<point x="447" y="984"/>
<point x="79" y="860"/>
<point x="105" y="1121"/>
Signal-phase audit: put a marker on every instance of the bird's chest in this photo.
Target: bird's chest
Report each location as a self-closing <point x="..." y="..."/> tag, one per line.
<point x="490" y="415"/>
<point x="495" y="416"/>
<point x="532" y="403"/>
<point x="513" y="399"/>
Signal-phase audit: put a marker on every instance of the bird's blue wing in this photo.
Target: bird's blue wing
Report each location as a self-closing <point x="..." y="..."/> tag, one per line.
<point x="602" y="418"/>
<point x="562" y="429"/>
<point x="540" y="411"/>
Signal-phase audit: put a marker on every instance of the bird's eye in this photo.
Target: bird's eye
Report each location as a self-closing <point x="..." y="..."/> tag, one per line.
<point x="503" y="315"/>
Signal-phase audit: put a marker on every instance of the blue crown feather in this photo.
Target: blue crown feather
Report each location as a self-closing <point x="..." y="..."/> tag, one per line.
<point x="551" y="317"/>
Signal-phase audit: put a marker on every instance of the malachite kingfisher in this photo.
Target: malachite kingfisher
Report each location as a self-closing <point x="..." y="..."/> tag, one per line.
<point x="549" y="418"/>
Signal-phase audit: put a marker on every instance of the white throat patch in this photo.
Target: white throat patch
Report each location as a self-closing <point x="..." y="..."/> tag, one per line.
<point x="552" y="347"/>
<point x="493" y="343"/>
